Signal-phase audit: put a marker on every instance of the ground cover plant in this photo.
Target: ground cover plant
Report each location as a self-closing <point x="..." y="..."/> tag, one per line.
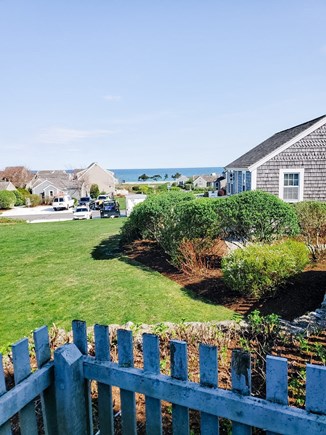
<point x="55" y="272"/>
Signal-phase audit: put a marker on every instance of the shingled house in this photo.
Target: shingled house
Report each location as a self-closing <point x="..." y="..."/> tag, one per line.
<point x="290" y="164"/>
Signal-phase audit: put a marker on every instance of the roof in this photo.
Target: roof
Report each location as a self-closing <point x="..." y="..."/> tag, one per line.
<point x="207" y="178"/>
<point x="5" y="184"/>
<point x="271" y="144"/>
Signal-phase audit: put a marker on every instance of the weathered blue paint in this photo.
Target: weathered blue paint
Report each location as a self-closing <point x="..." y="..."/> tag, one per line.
<point x="151" y="351"/>
<point x="276" y="381"/>
<point x="244" y="409"/>
<point x="208" y="378"/>
<point x="72" y="368"/>
<point x="5" y="429"/>
<point x="241" y="384"/>
<point x="70" y="391"/>
<point x="105" y="405"/>
<point x="22" y="369"/>
<point x="316" y="389"/>
<point x="128" y="401"/>
<point x="179" y="370"/>
<point x="43" y="355"/>
<point x="79" y="330"/>
<point x="24" y="392"/>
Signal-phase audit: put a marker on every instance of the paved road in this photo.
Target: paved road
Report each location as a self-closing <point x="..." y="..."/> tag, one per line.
<point x="45" y="214"/>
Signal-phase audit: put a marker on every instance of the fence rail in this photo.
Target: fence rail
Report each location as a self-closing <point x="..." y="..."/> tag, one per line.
<point x="64" y="387"/>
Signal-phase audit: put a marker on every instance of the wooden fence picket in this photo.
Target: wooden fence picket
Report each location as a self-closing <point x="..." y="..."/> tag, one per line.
<point x="5" y="429"/>
<point x="128" y="401"/>
<point x="151" y="351"/>
<point x="105" y="405"/>
<point x="208" y="378"/>
<point x="276" y="381"/>
<point x="22" y="369"/>
<point x="79" y="331"/>
<point x="316" y="389"/>
<point x="241" y="384"/>
<point x="72" y="369"/>
<point x="179" y="370"/>
<point x="43" y="355"/>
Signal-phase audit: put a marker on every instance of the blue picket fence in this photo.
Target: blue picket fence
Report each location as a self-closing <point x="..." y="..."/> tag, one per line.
<point x="63" y="384"/>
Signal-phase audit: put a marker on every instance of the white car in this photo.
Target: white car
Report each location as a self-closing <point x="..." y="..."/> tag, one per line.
<point x="62" y="202"/>
<point x="82" y="212"/>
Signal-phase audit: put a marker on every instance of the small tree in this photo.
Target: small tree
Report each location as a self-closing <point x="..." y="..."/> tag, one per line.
<point x="143" y="177"/>
<point x="176" y="175"/>
<point x="94" y="191"/>
<point x="7" y="199"/>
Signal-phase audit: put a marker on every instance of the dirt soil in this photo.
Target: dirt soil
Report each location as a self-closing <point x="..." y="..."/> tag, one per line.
<point x="305" y="293"/>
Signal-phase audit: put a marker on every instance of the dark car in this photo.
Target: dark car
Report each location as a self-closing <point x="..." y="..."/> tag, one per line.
<point x="87" y="200"/>
<point x="110" y="209"/>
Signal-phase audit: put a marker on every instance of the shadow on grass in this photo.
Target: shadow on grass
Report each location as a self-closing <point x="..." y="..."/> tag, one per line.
<point x="107" y="249"/>
<point x="110" y="249"/>
<point x="305" y="293"/>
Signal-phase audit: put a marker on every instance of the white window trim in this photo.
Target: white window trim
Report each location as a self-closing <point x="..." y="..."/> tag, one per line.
<point x="299" y="171"/>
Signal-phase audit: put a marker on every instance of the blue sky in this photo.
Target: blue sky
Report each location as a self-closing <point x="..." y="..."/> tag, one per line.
<point x="136" y="84"/>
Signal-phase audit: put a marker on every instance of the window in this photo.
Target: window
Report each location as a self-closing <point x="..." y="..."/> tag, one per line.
<point x="51" y="193"/>
<point x="230" y="182"/>
<point x="243" y="181"/>
<point x="291" y="184"/>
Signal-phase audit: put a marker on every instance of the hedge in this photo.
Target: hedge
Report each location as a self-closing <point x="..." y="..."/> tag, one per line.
<point x="259" y="270"/>
<point x="7" y="199"/>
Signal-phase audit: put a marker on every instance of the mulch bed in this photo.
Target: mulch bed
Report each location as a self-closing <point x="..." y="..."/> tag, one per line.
<point x="305" y="293"/>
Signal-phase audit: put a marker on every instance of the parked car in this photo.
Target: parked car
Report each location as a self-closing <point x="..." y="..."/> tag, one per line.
<point x="100" y="199"/>
<point x="87" y="200"/>
<point x="82" y="212"/>
<point x="110" y="209"/>
<point x="62" y="202"/>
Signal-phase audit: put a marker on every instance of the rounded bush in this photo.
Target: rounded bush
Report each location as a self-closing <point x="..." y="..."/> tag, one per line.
<point x="151" y="218"/>
<point x="7" y="199"/>
<point x="256" y="216"/>
<point x="259" y="269"/>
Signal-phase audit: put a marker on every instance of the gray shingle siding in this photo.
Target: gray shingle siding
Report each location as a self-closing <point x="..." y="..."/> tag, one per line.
<point x="308" y="153"/>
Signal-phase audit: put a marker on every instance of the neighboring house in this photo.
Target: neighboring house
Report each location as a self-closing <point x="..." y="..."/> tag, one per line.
<point x="18" y="175"/>
<point x="48" y="184"/>
<point x="290" y="164"/>
<point x="95" y="174"/>
<point x="207" y="181"/>
<point x="182" y="180"/>
<point x="7" y="185"/>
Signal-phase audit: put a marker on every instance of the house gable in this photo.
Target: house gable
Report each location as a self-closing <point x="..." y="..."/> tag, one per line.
<point x="275" y="144"/>
<point x="307" y="157"/>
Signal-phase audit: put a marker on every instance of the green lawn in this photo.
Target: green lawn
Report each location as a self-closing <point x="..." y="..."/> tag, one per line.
<point x="56" y="272"/>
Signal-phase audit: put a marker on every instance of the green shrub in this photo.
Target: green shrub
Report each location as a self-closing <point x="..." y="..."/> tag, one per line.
<point x="35" y="200"/>
<point x="7" y="199"/>
<point x="20" y="200"/>
<point x="94" y="191"/>
<point x="256" y="216"/>
<point x="152" y="217"/>
<point x="259" y="269"/>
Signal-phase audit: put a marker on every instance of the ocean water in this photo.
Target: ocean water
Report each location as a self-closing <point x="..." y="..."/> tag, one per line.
<point x="131" y="175"/>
